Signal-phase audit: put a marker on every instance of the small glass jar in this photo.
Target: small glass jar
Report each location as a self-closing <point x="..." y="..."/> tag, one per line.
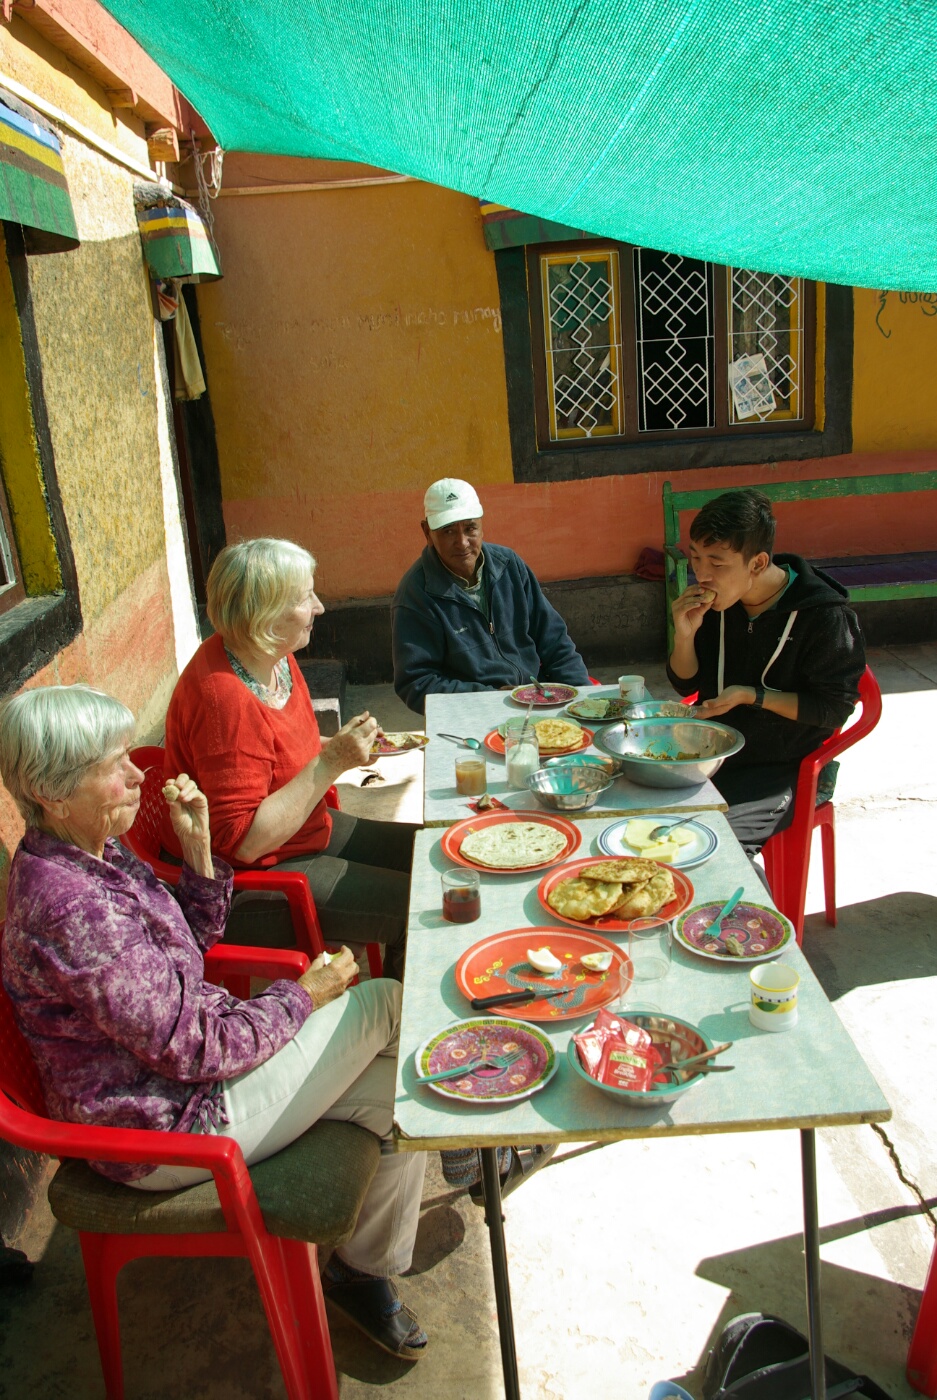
<point x="521" y="752"/>
<point x="461" y="896"/>
<point x="471" y="772"/>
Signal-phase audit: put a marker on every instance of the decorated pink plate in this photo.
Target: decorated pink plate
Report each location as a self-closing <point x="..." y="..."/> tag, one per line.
<point x="533" y="1060"/>
<point x="761" y="933"/>
<point x="386" y="745"/>
<point x="499" y="964"/>
<point x="550" y="695"/>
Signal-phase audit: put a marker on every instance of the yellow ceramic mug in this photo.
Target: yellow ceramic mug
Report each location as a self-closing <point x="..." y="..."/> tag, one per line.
<point x="774" y="996"/>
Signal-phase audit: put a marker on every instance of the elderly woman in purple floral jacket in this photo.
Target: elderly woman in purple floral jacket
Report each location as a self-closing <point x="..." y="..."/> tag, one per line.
<point x="104" y="967"/>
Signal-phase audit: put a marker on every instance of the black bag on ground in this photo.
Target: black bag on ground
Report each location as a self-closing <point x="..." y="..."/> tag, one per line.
<point x="760" y="1357"/>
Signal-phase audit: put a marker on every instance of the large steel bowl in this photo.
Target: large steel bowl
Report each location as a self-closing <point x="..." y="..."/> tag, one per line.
<point x="632" y="742"/>
<point x="569" y="788"/>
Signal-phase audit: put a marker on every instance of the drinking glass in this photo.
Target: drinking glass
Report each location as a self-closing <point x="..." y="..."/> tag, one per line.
<point x="461" y="896"/>
<point x="650" y="948"/>
<point x="521" y="752"/>
<point x="471" y="773"/>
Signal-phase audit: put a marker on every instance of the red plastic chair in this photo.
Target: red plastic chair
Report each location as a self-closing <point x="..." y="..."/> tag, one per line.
<point x="787" y="855"/>
<point x="144" y="839"/>
<point x="285" y="1269"/>
<point x="922" y="1354"/>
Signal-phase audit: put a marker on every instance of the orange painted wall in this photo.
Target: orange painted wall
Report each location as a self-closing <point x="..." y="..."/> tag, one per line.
<point x="354" y="354"/>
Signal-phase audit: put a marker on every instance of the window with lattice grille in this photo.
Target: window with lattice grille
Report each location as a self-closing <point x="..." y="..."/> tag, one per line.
<point x="634" y="345"/>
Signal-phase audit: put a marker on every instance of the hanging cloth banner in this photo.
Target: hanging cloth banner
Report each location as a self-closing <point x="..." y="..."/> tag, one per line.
<point x="33" y="187"/>
<point x="176" y="243"/>
<point x="506" y="228"/>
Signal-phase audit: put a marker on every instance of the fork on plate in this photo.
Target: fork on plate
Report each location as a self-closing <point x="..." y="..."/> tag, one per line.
<point x="487" y="1061"/>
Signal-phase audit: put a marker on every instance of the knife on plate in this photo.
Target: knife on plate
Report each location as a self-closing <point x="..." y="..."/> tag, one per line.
<point x="516" y="998"/>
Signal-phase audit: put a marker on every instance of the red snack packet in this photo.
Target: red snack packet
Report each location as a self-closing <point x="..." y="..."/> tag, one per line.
<point x="617" y="1052"/>
<point x="628" y="1066"/>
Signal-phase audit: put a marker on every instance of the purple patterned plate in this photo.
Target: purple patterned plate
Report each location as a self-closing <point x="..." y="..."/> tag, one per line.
<point x="469" y="1041"/>
<point x="760" y="932"/>
<point x="551" y="694"/>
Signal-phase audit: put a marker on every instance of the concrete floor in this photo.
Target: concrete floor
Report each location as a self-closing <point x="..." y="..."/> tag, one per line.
<point x="627" y="1262"/>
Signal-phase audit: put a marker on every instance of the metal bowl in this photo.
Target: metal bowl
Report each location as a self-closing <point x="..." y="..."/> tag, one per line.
<point x="611" y="766"/>
<point x="570" y="787"/>
<point x="709" y="743"/>
<point x="681" y="1038"/>
<point x="659" y="709"/>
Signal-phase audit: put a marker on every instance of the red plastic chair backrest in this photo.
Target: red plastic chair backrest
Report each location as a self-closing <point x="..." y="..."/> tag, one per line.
<point x="869" y="714"/>
<point x="144" y="837"/>
<point x="19" y="1077"/>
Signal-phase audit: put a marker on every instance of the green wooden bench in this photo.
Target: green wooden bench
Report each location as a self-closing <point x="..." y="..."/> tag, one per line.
<point x="870" y="579"/>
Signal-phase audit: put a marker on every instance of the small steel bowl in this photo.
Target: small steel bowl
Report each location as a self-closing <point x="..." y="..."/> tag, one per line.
<point x="570" y="787"/>
<point x="710" y="743"/>
<point x="681" y="1038"/>
<point x="611" y="766"/>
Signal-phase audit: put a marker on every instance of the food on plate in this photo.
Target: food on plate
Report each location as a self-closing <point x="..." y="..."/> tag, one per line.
<point x="638" y="901"/>
<point x="602" y="707"/>
<point x="597" y="962"/>
<point x="583" y="899"/>
<point x="557" y="734"/>
<point x="667" y="847"/>
<point x="627" y="870"/>
<point x="513" y="844"/>
<point x="383" y="742"/>
<point x="543" y="960"/>
<point x="630" y="887"/>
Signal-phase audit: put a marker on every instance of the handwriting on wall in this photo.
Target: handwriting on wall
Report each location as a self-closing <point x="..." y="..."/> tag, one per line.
<point x="926" y="301"/>
<point x="239" y="336"/>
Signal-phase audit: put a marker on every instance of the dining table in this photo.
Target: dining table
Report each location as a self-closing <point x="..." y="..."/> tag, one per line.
<point x="475" y="714"/>
<point x="804" y="1078"/>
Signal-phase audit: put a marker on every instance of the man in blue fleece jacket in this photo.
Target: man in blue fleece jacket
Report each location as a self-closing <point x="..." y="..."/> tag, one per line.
<point x="466" y="618"/>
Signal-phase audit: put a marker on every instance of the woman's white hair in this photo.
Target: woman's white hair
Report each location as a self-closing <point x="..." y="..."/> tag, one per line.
<point x="51" y="736"/>
<point x="251" y="584"/>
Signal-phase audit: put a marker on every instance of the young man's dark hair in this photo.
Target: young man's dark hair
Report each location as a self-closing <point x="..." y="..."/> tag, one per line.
<point x="742" y="520"/>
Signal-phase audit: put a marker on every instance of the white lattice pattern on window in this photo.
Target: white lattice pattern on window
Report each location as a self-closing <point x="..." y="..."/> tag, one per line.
<point x="674" y="375"/>
<point x="581" y="342"/>
<point x="765" y="319"/>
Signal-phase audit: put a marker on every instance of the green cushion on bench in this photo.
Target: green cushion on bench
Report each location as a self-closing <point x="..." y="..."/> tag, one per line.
<point x="312" y="1191"/>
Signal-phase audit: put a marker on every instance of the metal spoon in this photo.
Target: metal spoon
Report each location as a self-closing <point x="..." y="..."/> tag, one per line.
<point x="456" y="739"/>
<point x="658" y="832"/>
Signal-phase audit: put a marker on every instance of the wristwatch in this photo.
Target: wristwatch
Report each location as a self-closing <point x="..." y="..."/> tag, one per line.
<point x="759" y="699"/>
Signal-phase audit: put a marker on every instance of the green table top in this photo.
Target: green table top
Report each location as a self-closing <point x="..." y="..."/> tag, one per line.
<point x="807" y="1077"/>
<point x="475" y="714"/>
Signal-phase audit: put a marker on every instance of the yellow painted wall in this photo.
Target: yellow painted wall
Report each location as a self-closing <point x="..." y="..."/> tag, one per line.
<point x="98" y="342"/>
<point x="354" y="354"/>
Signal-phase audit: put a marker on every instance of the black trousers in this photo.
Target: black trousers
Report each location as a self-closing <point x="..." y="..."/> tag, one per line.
<point x="361" y="886"/>
<point x="761" y="801"/>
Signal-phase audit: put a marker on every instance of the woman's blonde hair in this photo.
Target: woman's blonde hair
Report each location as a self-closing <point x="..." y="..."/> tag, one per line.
<point x="251" y="584"/>
<point x="51" y="736"/>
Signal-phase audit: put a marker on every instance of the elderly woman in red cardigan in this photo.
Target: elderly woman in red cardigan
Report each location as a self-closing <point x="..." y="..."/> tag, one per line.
<point x="242" y="724"/>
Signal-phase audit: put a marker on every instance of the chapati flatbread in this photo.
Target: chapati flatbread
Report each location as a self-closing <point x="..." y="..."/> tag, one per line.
<point x="639" y="901"/>
<point x="557" y="734"/>
<point x="583" y="899"/>
<point x="511" y="844"/>
<point x="627" y="870"/>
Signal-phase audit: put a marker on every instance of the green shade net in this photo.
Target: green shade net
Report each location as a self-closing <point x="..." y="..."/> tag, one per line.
<point x="789" y="136"/>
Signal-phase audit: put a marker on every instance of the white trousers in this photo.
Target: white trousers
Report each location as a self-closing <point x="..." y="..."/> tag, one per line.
<point x="341" y="1065"/>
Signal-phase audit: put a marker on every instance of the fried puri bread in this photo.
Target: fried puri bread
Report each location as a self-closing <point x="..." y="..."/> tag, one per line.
<point x="638" y="901"/>
<point x="557" y="734"/>
<point x="583" y="899"/>
<point x="627" y="870"/>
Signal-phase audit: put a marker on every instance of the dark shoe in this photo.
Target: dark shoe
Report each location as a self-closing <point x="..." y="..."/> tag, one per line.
<point x="373" y="1306"/>
<point x="524" y="1162"/>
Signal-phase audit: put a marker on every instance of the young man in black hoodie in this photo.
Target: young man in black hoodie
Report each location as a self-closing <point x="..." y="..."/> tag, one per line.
<point x="769" y="643"/>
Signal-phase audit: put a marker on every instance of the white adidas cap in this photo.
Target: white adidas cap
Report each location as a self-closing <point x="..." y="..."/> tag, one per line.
<point x="451" y="499"/>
